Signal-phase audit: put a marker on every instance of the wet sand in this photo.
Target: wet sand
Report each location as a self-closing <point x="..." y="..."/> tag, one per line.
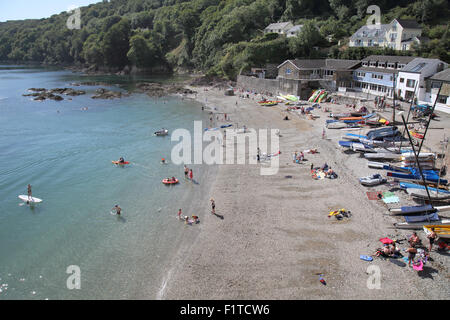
<point x="275" y="236"/>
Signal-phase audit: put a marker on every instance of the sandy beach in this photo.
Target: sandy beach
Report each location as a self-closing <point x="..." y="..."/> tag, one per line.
<point x="275" y="237"/>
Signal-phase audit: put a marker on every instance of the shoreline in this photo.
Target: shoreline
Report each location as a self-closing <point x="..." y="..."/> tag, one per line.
<point x="275" y="237"/>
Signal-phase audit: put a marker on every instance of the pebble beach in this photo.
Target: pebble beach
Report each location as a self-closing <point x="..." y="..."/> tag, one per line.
<point x="272" y="238"/>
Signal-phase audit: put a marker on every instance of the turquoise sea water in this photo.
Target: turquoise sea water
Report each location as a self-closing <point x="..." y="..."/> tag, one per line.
<point x="66" y="157"/>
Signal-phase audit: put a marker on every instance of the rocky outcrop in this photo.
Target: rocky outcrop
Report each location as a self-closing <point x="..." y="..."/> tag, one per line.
<point x="159" y="90"/>
<point x="41" y="94"/>
<point x="103" y="93"/>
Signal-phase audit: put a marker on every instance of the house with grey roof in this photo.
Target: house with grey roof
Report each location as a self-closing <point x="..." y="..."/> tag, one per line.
<point x="411" y="79"/>
<point x="400" y="34"/>
<point x="292" y="32"/>
<point x="280" y="28"/>
<point x="315" y="73"/>
<point x="433" y="84"/>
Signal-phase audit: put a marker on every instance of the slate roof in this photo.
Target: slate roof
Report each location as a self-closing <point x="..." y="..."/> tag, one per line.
<point x="409" y="24"/>
<point x="389" y="59"/>
<point x="442" y="76"/>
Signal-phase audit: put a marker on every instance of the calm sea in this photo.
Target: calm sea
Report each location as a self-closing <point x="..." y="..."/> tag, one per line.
<point x="65" y="153"/>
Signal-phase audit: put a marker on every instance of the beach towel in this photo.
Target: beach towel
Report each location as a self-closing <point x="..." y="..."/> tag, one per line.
<point x="393" y="199"/>
<point x="390" y="197"/>
<point x="373" y="195"/>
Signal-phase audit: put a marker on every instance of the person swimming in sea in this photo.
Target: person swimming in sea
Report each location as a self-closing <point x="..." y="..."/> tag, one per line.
<point x="122" y="160"/>
<point x="117" y="209"/>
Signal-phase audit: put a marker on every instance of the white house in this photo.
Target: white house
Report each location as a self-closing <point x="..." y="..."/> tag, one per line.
<point x="399" y="35"/>
<point x="433" y="84"/>
<point x="280" y="28"/>
<point x="292" y="32"/>
<point x="414" y="75"/>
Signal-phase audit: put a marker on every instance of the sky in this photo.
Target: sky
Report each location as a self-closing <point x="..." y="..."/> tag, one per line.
<point x="36" y="9"/>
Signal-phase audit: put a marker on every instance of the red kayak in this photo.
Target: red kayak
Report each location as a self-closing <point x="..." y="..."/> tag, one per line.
<point x="117" y="162"/>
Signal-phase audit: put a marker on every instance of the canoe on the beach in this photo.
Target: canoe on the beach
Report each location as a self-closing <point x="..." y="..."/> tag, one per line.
<point x="422" y="194"/>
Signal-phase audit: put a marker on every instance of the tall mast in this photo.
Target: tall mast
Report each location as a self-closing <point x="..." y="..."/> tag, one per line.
<point x="417" y="162"/>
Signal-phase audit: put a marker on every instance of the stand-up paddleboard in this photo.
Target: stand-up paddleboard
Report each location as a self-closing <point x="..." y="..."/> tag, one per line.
<point x="117" y="162"/>
<point x="30" y="199"/>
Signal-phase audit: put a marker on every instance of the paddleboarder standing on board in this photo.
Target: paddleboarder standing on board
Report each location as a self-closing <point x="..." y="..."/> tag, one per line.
<point x="29" y="193"/>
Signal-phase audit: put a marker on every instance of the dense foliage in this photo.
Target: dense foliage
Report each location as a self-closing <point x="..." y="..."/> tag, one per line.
<point x="217" y="36"/>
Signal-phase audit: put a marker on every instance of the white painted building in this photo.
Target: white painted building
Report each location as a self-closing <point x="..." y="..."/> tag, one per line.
<point x="433" y="84"/>
<point x="292" y="32"/>
<point x="280" y="28"/>
<point x="400" y="34"/>
<point x="413" y="77"/>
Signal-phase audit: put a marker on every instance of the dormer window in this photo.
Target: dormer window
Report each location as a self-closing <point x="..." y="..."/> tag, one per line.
<point x="400" y="66"/>
<point x="373" y="64"/>
<point x="364" y="64"/>
<point x="382" y="65"/>
<point x="391" y="65"/>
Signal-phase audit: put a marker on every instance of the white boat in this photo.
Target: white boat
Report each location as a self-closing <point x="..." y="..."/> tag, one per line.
<point x="373" y="180"/>
<point x="417" y="222"/>
<point x="422" y="194"/>
<point x="409" y="210"/>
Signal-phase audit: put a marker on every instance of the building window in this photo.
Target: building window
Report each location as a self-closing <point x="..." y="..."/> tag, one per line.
<point x="288" y="71"/>
<point x="442" y="99"/>
<point x="364" y="64"/>
<point x="435" y="85"/>
<point x="391" y="78"/>
<point x="391" y="65"/>
<point x="373" y="64"/>
<point x="382" y="65"/>
<point x="380" y="76"/>
<point x="410" y="83"/>
<point x="400" y="66"/>
<point x="374" y="76"/>
<point x="402" y="80"/>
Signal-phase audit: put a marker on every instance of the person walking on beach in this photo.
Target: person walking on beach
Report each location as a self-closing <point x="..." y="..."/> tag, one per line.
<point x="186" y="172"/>
<point x="258" y="154"/>
<point x="191" y="175"/>
<point x="179" y="214"/>
<point x="213" y="206"/>
<point x="432" y="237"/>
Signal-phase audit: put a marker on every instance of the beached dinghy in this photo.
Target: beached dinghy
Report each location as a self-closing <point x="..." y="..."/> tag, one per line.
<point x="373" y="180"/>
<point x="442" y="231"/>
<point x="422" y="194"/>
<point x="406" y="185"/>
<point x="418" y="209"/>
<point x="417" y="222"/>
<point x="406" y="210"/>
